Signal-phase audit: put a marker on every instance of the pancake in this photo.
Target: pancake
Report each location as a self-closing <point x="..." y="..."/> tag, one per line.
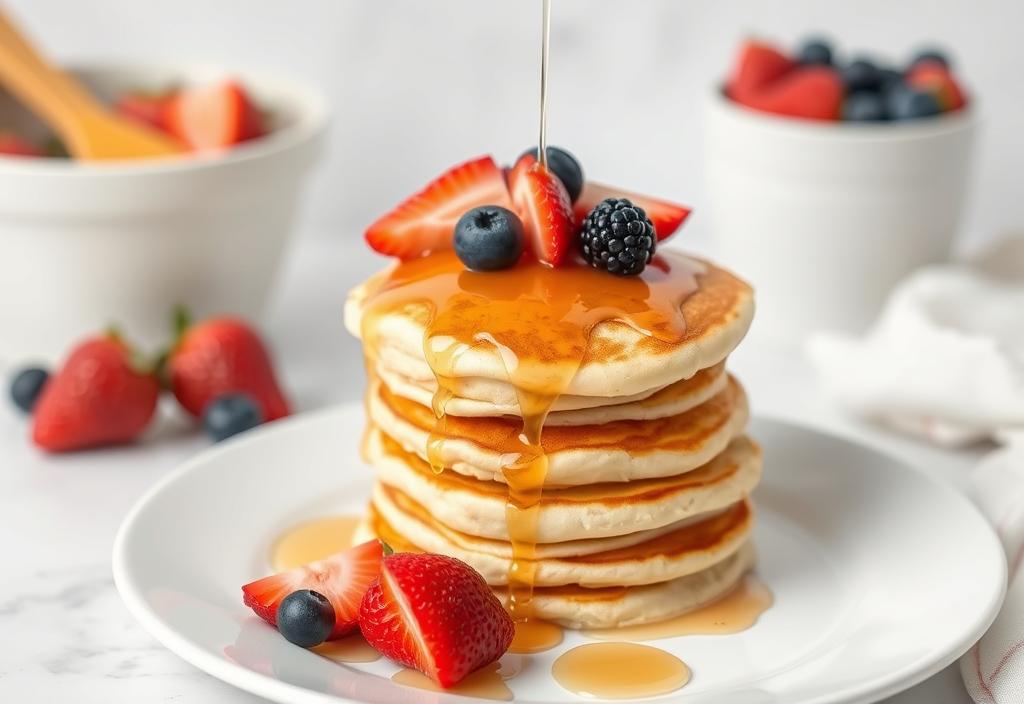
<point x="685" y="548"/>
<point x="618" y="361"/>
<point x="599" y="510"/>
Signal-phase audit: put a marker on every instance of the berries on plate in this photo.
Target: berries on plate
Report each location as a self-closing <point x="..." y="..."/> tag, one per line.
<point x="424" y="223"/>
<point x="102" y="395"/>
<point x="435" y="614"/>
<point x="342" y="578"/>
<point x="230" y="415"/>
<point x="213" y="116"/>
<point x="759" y="65"/>
<point x="565" y="166"/>
<point x="305" y="618"/>
<point x="222" y="356"/>
<point x="544" y="207"/>
<point x="815" y="52"/>
<point x="488" y="238"/>
<point x="666" y="217"/>
<point x="618" y="237"/>
<point x="26" y="386"/>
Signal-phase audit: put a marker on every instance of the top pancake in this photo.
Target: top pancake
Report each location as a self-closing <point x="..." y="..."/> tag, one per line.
<point x="618" y="361"/>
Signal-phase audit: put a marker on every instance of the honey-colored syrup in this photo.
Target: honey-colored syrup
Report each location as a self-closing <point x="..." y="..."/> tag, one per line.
<point x="736" y="611"/>
<point x="619" y="671"/>
<point x="535" y="636"/>
<point x="352" y="648"/>
<point x="311" y="541"/>
<point x="486" y="683"/>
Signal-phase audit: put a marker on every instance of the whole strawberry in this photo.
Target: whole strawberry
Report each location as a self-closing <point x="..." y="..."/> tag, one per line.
<point x="222" y="356"/>
<point x="436" y="614"/>
<point x="101" y="396"/>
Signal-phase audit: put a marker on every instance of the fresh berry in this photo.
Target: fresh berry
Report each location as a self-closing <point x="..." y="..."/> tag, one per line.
<point x="102" y="395"/>
<point x="26" y="387"/>
<point x="887" y="78"/>
<point x="222" y="356"/>
<point x="488" y="238"/>
<point x="13" y="145"/>
<point x="342" y="578"/>
<point x="935" y="78"/>
<point x="230" y="415"/>
<point x="147" y="108"/>
<point x="543" y="205"/>
<point x="565" y="166"/>
<point x="815" y="52"/>
<point x="213" y="117"/>
<point x="906" y="103"/>
<point x="931" y="56"/>
<point x="864" y="107"/>
<point x="861" y="75"/>
<point x="424" y="223"/>
<point x="618" y="237"/>
<point x="758" y="66"/>
<point x="811" y="92"/>
<point x="667" y="217"/>
<point x="305" y="618"/>
<point x="435" y="614"/>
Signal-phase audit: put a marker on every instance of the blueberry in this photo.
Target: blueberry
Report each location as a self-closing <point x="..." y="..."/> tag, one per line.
<point x="864" y="107"/>
<point x="887" y="78"/>
<point x="861" y="75"/>
<point x="489" y="238"/>
<point x="26" y="387"/>
<point x="566" y="167"/>
<point x="231" y="414"/>
<point x="936" y="55"/>
<point x="305" y="618"/>
<point x="906" y="103"/>
<point x="815" y="52"/>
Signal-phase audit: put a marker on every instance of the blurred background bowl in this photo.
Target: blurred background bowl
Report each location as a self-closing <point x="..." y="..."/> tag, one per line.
<point x="825" y="218"/>
<point x="87" y="245"/>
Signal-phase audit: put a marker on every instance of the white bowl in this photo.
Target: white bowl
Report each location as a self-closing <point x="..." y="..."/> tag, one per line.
<point x="824" y="218"/>
<point x="83" y="246"/>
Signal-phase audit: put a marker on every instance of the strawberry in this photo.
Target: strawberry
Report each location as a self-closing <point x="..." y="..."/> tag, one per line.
<point x="13" y="145"/>
<point x="543" y="204"/>
<point x="935" y="78"/>
<point x="667" y="217"/>
<point x="101" y="396"/>
<point x="811" y="92"/>
<point x="426" y="221"/>
<point x="213" y="117"/>
<point x="343" y="578"/>
<point x="221" y="356"/>
<point x="757" y="66"/>
<point x="148" y="108"/>
<point x="436" y="614"/>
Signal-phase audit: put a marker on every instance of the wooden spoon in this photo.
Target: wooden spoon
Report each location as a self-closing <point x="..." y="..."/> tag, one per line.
<point x="88" y="129"/>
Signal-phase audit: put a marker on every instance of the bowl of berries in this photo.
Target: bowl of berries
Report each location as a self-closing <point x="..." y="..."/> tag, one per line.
<point x="90" y="243"/>
<point x="831" y="179"/>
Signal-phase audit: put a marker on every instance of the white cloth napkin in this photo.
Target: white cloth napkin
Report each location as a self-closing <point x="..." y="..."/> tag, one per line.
<point x="946" y="361"/>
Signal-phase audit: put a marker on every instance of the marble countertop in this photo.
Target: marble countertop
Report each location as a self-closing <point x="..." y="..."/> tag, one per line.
<point x="65" y="634"/>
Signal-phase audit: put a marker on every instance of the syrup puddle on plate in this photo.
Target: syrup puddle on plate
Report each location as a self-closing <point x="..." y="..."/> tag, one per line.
<point x="535" y="636"/>
<point x="311" y="541"/>
<point x="353" y="648"/>
<point x="619" y="671"/>
<point x="486" y="683"/>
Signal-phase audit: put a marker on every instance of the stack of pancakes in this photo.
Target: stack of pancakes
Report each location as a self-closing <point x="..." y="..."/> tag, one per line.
<point x="645" y="512"/>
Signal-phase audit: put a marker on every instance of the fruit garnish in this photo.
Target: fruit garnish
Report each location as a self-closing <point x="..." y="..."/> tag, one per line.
<point x="815" y="52"/>
<point x="26" y="387"/>
<point x="544" y="207"/>
<point x="861" y="75"/>
<point x="935" y="78"/>
<point x="617" y="237"/>
<point x="213" y="117"/>
<point x="435" y="614"/>
<point x="222" y="356"/>
<point x="102" y="395"/>
<point x="342" y="578"/>
<point x="565" y="166"/>
<point x="305" y="618"/>
<point x="488" y="238"/>
<point x="13" y="145"/>
<point x="758" y="65"/>
<point x="907" y="103"/>
<point x="934" y="56"/>
<point x="230" y="415"/>
<point x="666" y="217"/>
<point x="865" y="107"/>
<point x="148" y="108"/>
<point x="811" y="92"/>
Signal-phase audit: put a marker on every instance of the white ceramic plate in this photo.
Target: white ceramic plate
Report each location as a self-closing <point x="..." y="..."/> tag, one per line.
<point x="882" y="575"/>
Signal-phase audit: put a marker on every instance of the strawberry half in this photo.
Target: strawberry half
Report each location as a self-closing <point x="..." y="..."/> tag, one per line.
<point x="934" y="77"/>
<point x="543" y="204"/>
<point x="147" y="108"/>
<point x="435" y="614"/>
<point x="425" y="222"/>
<point x="758" y="65"/>
<point x="213" y="117"/>
<point x="342" y="578"/>
<point x="667" y="217"/>
<point x="811" y="92"/>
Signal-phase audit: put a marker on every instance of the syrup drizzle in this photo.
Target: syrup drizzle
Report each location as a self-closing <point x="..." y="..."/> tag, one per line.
<point x="619" y="671"/>
<point x="486" y="683"/>
<point x="311" y="541"/>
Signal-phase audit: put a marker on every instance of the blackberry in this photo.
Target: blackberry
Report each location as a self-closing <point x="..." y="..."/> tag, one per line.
<point x="618" y="237"/>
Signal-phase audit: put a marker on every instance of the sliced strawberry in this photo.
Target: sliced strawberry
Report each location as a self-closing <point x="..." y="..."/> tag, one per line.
<point x="811" y="92"/>
<point x="667" y="217"/>
<point x="758" y="65"/>
<point x="424" y="223"/>
<point x="543" y="205"/>
<point x="148" y="108"/>
<point x="436" y="614"/>
<point x="213" y="117"/>
<point x="936" y="78"/>
<point x="342" y="578"/>
<point x="13" y="145"/>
